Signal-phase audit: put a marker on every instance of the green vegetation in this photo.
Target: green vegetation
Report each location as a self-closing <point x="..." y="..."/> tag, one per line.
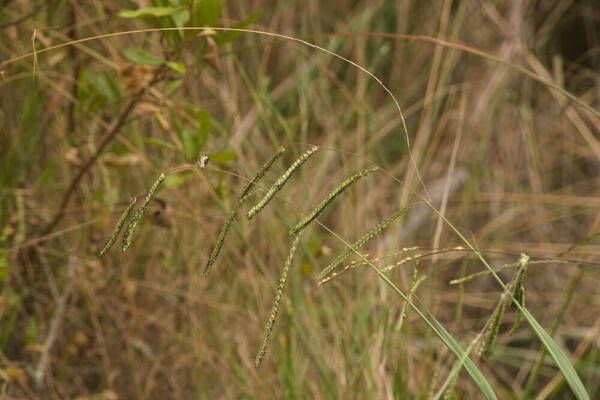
<point x="466" y="267"/>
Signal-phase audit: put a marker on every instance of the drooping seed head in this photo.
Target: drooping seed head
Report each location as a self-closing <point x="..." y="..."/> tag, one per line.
<point x="362" y="241"/>
<point x="328" y="199"/>
<point x="139" y="214"/>
<point x="264" y="344"/>
<point x="241" y="200"/>
<point x="261" y="172"/>
<point x="118" y="227"/>
<point x="491" y="334"/>
<point x="281" y="182"/>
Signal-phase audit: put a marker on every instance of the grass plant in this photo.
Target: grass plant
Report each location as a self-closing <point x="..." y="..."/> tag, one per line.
<point x="97" y="97"/>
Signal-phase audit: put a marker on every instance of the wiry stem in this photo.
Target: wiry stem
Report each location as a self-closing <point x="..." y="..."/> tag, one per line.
<point x="110" y="135"/>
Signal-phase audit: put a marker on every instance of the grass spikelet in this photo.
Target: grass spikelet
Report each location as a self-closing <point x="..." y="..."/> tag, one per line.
<point x="354" y="264"/>
<point x="491" y="333"/>
<point x="332" y="195"/>
<point x="264" y="344"/>
<point x="519" y="291"/>
<point x="507" y="266"/>
<point x="450" y="393"/>
<point x="242" y="199"/>
<point x="416" y="282"/>
<point x="261" y="172"/>
<point x="118" y="227"/>
<point x="281" y="182"/>
<point x="222" y="235"/>
<point x="362" y="241"/>
<point x="139" y="214"/>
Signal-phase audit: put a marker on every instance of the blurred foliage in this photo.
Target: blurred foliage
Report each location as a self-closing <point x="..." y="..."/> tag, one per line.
<point x="147" y="325"/>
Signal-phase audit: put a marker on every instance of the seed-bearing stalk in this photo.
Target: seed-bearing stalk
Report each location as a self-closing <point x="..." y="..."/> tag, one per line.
<point x="242" y="199"/>
<point x="519" y="291"/>
<point x="264" y="344"/>
<point x="261" y="172"/>
<point x="280" y="182"/>
<point x="362" y="241"/>
<point x="332" y="195"/>
<point x="491" y="333"/>
<point x="139" y="214"/>
<point x="118" y="227"/>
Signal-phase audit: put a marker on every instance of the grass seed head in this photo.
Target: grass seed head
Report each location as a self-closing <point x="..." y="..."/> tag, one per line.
<point x="491" y="333"/>
<point x="362" y="241"/>
<point x="264" y="344"/>
<point x="139" y="214"/>
<point x="118" y="227"/>
<point x="328" y="199"/>
<point x="281" y="182"/>
<point x="263" y="169"/>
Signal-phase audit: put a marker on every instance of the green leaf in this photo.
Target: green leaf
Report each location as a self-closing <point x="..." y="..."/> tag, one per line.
<point x="172" y="86"/>
<point x="31" y="331"/>
<point x="176" y="66"/>
<point x="228" y="36"/>
<point x="205" y="12"/>
<point x="3" y="264"/>
<point x="174" y="180"/>
<point x="108" y="85"/>
<point x="559" y="356"/>
<point x="222" y="157"/>
<point x="441" y="332"/>
<point x="204" y="119"/>
<point x="180" y="18"/>
<point x="562" y="361"/>
<point x="193" y="141"/>
<point x="147" y="12"/>
<point x="161" y="143"/>
<point x="140" y="56"/>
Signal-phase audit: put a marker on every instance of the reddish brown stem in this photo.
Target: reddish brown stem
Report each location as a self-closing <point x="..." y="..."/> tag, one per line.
<point x="108" y="138"/>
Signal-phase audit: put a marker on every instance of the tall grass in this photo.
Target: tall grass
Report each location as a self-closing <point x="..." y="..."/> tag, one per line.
<point x="518" y="205"/>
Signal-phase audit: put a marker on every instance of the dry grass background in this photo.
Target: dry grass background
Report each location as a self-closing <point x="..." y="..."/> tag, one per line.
<point x="510" y="162"/>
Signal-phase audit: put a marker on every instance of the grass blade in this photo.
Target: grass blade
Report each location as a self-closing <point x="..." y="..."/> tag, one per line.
<point x="477" y="376"/>
<point x="562" y="361"/>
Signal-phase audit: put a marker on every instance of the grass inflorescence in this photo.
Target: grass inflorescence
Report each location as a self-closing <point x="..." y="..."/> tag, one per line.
<point x="546" y="209"/>
<point x="519" y="291"/>
<point x="328" y="199"/>
<point x="281" y="182"/>
<point x="491" y="333"/>
<point x="362" y="241"/>
<point x="262" y="171"/>
<point x="139" y="214"/>
<point x="222" y="235"/>
<point x="118" y="227"/>
<point x="264" y="344"/>
<point x="242" y="199"/>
